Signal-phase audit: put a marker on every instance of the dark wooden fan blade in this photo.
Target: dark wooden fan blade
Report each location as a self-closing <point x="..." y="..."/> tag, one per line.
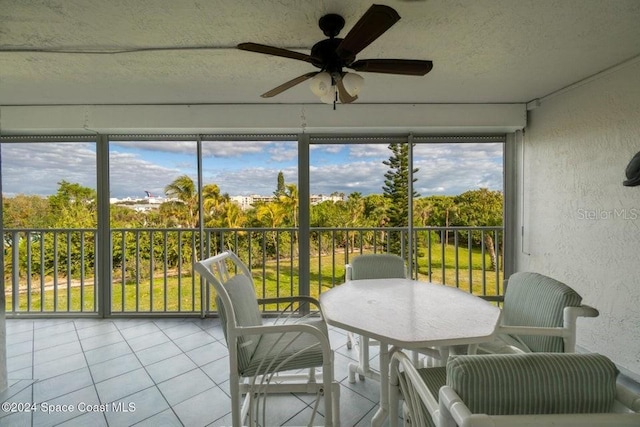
<point x="288" y="85"/>
<point x="276" y="51"/>
<point x="371" y="25"/>
<point x="343" y="95"/>
<point x="408" y="67"/>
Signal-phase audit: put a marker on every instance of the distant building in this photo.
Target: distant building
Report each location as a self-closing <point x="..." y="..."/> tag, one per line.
<point x="139" y="204"/>
<point x="315" y="199"/>
<point x="247" y="202"/>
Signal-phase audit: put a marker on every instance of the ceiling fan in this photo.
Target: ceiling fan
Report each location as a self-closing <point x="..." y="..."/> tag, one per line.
<point x="331" y="55"/>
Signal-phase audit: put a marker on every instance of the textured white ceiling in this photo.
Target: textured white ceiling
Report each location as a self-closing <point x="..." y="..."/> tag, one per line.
<point x="483" y="51"/>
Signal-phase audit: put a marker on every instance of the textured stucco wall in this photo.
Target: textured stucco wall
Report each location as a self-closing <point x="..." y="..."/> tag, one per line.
<point x="580" y="225"/>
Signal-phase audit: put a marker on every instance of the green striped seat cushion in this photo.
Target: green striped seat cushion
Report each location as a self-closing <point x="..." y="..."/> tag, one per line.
<point x="284" y="352"/>
<point x="433" y="378"/>
<point x="534" y="383"/>
<point x="245" y="306"/>
<point x="377" y="266"/>
<point x="532" y="299"/>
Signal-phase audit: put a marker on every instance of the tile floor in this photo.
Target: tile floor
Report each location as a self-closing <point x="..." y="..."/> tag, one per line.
<point x="151" y="372"/>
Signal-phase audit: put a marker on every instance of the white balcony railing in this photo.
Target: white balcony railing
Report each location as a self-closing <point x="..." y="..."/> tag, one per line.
<point x="53" y="271"/>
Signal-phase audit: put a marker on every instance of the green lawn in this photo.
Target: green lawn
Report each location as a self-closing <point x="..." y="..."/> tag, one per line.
<point x="182" y="294"/>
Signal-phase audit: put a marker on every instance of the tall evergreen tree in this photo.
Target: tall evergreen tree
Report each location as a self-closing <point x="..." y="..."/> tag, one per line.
<point x="396" y="190"/>
<point x="281" y="188"/>
<point x="396" y="185"/>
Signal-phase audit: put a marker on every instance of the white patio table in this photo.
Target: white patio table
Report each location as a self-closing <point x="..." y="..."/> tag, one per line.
<point x="408" y="314"/>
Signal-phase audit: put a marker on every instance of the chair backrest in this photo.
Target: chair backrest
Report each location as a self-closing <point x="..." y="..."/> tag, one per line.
<point x="236" y="301"/>
<point x="534" y="383"/>
<point x="532" y="299"/>
<point x="376" y="266"/>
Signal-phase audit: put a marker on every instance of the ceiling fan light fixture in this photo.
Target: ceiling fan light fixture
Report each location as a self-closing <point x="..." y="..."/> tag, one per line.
<point x="321" y="84"/>
<point x="330" y="96"/>
<point x="353" y="83"/>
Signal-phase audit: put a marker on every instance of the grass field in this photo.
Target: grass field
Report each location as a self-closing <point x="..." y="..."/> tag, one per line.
<point x="182" y="294"/>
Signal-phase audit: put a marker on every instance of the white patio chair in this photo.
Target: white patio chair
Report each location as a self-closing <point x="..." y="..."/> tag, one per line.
<point x="370" y="266"/>
<point x="534" y="389"/>
<point x="539" y="315"/>
<point x="269" y="358"/>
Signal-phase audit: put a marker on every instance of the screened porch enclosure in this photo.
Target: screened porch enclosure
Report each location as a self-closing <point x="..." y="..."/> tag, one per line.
<point x="134" y="256"/>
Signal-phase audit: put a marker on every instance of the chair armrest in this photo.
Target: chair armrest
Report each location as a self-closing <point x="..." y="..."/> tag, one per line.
<point x="492" y="298"/>
<point x="582" y="311"/>
<point x="453" y="412"/>
<point x="290" y="300"/>
<point x="531" y="330"/>
<point x="570" y="315"/>
<point x="286" y="328"/>
<point x="628" y="398"/>
<point x="287" y="314"/>
<point x="567" y="331"/>
<point x="348" y="271"/>
<point x="400" y="359"/>
<point x="451" y="409"/>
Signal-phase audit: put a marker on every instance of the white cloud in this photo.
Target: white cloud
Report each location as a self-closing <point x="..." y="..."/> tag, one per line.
<point x="455" y="168"/>
<point x="131" y="175"/>
<point x="37" y="168"/>
<point x="365" y="177"/>
<point x="183" y="147"/>
<point x="282" y="152"/>
<point x="443" y="168"/>
<point x="221" y="149"/>
<point x="369" y="151"/>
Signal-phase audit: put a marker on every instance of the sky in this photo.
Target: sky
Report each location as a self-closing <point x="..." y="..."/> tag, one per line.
<point x="246" y="167"/>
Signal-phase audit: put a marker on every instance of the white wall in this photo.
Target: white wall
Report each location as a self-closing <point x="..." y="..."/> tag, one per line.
<point x="579" y="224"/>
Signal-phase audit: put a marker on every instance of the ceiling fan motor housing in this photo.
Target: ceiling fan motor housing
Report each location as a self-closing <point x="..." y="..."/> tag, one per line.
<point x="331" y="24"/>
<point x="324" y="53"/>
<point x="325" y="57"/>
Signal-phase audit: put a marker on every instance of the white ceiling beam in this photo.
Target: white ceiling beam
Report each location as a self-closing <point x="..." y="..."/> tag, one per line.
<point x="253" y="118"/>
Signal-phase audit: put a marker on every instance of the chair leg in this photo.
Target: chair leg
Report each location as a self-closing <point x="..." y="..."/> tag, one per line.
<point x="236" y="410"/>
<point x="394" y="394"/>
<point x="353" y="368"/>
<point x="335" y="395"/>
<point x="203" y="298"/>
<point x="330" y="406"/>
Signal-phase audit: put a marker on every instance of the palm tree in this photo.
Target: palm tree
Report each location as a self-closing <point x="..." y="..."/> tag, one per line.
<point x="233" y="216"/>
<point x="355" y="210"/>
<point x="215" y="205"/>
<point x="184" y="190"/>
<point x="212" y="199"/>
<point x="272" y="213"/>
<point x="423" y="210"/>
<point x="289" y="201"/>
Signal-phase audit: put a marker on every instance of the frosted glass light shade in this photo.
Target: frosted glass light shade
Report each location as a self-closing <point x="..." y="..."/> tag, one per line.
<point x="330" y="96"/>
<point x="321" y="84"/>
<point x="353" y="83"/>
